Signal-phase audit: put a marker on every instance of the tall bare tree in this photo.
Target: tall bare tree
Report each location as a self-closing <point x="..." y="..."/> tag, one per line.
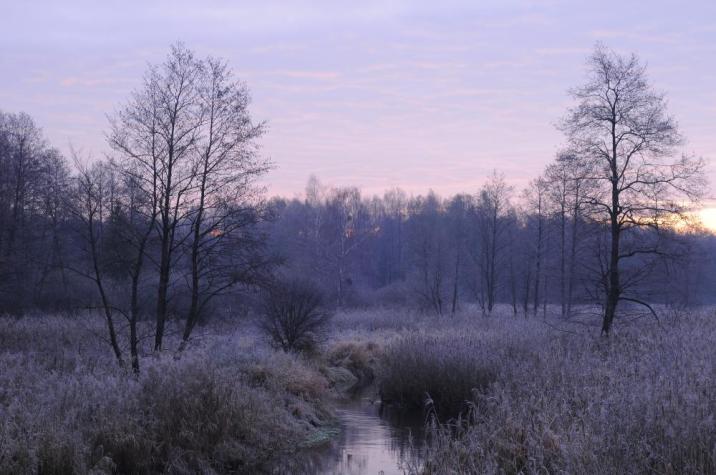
<point x="54" y="196"/>
<point x="158" y="131"/>
<point x="622" y="131"/>
<point x="34" y="189"/>
<point x="22" y="173"/>
<point x="187" y="147"/>
<point x="226" y="167"/>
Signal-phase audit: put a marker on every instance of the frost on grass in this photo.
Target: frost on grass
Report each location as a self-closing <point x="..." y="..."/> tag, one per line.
<point x="532" y="399"/>
<point x="65" y="408"/>
<point x="639" y="402"/>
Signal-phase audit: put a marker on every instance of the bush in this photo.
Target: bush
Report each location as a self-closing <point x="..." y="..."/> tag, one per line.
<point x="293" y="316"/>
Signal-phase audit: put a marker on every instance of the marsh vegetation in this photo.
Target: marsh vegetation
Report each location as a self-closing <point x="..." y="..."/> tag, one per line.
<point x="498" y="395"/>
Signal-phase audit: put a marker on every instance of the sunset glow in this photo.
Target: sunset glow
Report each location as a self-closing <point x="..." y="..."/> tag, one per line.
<point x="708" y="218"/>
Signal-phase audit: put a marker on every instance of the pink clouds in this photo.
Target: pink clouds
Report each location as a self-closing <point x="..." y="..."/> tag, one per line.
<point x="413" y="94"/>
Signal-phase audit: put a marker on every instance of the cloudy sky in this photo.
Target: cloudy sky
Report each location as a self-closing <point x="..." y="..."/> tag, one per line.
<point x="375" y="94"/>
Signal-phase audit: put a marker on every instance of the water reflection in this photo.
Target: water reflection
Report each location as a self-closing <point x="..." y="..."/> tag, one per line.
<point x="372" y="440"/>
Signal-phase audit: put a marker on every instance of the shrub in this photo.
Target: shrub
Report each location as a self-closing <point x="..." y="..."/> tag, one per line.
<point x="293" y="315"/>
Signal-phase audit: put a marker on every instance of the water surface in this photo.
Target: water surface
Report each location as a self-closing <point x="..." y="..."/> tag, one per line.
<point x="371" y="440"/>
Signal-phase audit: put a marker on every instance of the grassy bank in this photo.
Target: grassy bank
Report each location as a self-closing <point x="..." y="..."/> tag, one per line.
<point x="534" y="397"/>
<point x="229" y="404"/>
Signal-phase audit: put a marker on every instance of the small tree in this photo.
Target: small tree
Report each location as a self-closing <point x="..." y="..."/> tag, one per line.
<point x="428" y="248"/>
<point x="534" y="197"/>
<point x="293" y="315"/>
<point x="493" y="205"/>
<point x="347" y="229"/>
<point x="92" y="204"/>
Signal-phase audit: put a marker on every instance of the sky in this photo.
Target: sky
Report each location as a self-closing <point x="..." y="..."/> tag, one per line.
<point x="376" y="94"/>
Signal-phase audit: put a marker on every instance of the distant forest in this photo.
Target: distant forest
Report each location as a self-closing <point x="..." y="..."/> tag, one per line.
<point x="175" y="220"/>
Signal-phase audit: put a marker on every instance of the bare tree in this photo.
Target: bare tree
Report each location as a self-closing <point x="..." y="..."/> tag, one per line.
<point x="92" y="203"/>
<point x="186" y="145"/>
<point x="567" y="185"/>
<point x="157" y="130"/>
<point x="347" y="228"/>
<point x="493" y="205"/>
<point x="535" y="198"/>
<point x="558" y="184"/>
<point x="429" y="249"/>
<point x="457" y="215"/>
<point x="513" y="251"/>
<point x="392" y="231"/>
<point x="34" y="212"/>
<point x="225" y="199"/>
<point x="134" y="215"/>
<point x="54" y="208"/>
<point x="621" y="130"/>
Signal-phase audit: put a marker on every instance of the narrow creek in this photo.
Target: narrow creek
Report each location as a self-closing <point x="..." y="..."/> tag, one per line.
<point x="371" y="440"/>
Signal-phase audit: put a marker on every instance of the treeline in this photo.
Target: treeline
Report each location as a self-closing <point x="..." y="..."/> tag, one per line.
<point x="35" y="225"/>
<point x="526" y="249"/>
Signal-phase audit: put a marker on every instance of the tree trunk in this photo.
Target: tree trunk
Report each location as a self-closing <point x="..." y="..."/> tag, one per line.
<point x="193" y="314"/>
<point x="613" y="289"/>
<point x="572" y="260"/>
<point x="134" y="311"/>
<point x="562" y="262"/>
<point x="513" y="278"/>
<point x="491" y="283"/>
<point x="162" y="292"/>
<point x="103" y="295"/>
<point x="528" y="278"/>
<point x="455" y="282"/>
<point x="538" y="262"/>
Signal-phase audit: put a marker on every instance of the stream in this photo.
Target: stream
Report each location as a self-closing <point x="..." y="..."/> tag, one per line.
<point x="371" y="441"/>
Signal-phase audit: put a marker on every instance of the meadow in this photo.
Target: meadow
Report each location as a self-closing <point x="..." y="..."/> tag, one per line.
<point x="501" y="394"/>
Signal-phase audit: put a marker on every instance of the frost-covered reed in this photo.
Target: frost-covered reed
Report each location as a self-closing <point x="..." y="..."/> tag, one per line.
<point x="641" y="401"/>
